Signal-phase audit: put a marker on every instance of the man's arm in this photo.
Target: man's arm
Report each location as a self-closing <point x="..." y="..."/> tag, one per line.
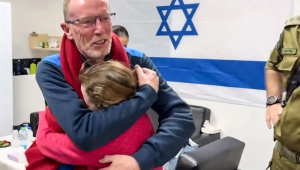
<point x="176" y="126"/>
<point x="274" y="83"/>
<point x="273" y="76"/>
<point x="81" y="124"/>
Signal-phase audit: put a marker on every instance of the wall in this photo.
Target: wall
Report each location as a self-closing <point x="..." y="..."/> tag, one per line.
<point x="28" y="16"/>
<point x="28" y="98"/>
<point x="242" y="122"/>
<point x="296" y="7"/>
<point x="32" y="15"/>
<point x="6" y="91"/>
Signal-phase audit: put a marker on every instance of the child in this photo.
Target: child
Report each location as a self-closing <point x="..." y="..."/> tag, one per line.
<point x="102" y="85"/>
<point x="107" y="84"/>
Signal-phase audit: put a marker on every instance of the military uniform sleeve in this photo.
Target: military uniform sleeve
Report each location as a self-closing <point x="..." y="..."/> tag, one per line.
<point x="176" y="126"/>
<point x="89" y="130"/>
<point x="275" y="56"/>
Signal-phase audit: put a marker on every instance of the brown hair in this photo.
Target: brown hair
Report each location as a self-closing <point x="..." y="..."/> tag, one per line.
<point x="108" y="83"/>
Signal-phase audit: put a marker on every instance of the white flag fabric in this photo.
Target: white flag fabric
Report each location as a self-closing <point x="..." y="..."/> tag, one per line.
<point x="207" y="49"/>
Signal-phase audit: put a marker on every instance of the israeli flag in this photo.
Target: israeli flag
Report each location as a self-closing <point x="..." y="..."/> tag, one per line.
<point x="207" y="49"/>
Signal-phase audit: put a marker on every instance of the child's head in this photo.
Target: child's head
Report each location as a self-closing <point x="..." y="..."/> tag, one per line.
<point x="107" y="84"/>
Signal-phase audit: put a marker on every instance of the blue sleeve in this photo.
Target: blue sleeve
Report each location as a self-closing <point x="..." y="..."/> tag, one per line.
<point x="89" y="130"/>
<point x="175" y="129"/>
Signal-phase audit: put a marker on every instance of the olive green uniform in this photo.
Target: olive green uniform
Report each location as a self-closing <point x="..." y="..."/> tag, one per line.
<point x="285" y="59"/>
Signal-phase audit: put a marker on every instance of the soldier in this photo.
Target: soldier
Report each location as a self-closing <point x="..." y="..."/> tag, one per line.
<point x="282" y="73"/>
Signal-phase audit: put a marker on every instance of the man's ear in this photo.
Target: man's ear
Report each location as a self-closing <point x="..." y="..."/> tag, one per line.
<point x="66" y="30"/>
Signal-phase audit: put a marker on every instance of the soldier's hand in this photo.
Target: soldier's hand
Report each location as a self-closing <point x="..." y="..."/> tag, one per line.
<point x="147" y="76"/>
<point x="272" y="114"/>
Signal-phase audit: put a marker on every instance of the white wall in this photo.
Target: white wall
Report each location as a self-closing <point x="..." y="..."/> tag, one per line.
<point x="33" y="15"/>
<point x="6" y="91"/>
<point x="28" y="16"/>
<point x="28" y="98"/>
<point x="296" y="7"/>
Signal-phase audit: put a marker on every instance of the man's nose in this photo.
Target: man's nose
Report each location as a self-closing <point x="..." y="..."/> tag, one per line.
<point x="99" y="29"/>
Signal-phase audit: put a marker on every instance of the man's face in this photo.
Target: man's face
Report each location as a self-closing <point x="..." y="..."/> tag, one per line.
<point x="124" y="40"/>
<point x="93" y="42"/>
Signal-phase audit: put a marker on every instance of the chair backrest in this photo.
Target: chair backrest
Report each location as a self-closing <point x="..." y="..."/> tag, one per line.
<point x="34" y="122"/>
<point x="224" y="154"/>
<point x="200" y="114"/>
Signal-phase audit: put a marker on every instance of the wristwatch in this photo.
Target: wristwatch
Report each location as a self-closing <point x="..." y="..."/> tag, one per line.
<point x="272" y="100"/>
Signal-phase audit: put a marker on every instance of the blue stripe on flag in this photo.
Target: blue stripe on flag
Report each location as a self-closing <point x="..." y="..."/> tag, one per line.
<point x="228" y="73"/>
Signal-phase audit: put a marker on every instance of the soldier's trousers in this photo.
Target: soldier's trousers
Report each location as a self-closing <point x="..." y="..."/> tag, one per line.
<point x="280" y="163"/>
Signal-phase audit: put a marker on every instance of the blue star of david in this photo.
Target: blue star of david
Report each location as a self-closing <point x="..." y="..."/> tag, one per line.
<point x="188" y="23"/>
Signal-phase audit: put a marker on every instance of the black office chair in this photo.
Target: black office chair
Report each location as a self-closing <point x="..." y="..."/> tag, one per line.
<point x="224" y="154"/>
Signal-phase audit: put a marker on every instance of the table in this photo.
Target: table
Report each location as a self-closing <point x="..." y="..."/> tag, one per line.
<point x="7" y="164"/>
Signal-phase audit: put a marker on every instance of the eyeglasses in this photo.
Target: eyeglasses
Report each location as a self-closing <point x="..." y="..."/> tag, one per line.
<point x="88" y="22"/>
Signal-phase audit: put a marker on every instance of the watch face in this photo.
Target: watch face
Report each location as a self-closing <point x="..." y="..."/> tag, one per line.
<point x="271" y="100"/>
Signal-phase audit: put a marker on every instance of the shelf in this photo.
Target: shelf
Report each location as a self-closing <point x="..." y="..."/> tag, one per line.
<point x="45" y="49"/>
<point x="36" y="39"/>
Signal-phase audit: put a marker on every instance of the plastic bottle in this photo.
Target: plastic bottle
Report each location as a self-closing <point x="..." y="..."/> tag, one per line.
<point x="30" y="136"/>
<point x="33" y="67"/>
<point x="26" y="127"/>
<point x="23" y="137"/>
<point x="15" y="143"/>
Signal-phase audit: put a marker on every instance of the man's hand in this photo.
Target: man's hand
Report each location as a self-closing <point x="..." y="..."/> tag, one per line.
<point x="272" y="114"/>
<point x="147" y="76"/>
<point x="120" y="162"/>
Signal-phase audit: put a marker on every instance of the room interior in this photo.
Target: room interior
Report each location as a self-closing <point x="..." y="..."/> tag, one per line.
<point x="25" y="93"/>
<point x="28" y="23"/>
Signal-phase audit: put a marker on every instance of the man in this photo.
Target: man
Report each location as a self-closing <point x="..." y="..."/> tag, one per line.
<point x="280" y="68"/>
<point x="88" y="24"/>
